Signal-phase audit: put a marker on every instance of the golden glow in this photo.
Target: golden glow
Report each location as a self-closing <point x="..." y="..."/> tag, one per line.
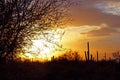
<point x="44" y="46"/>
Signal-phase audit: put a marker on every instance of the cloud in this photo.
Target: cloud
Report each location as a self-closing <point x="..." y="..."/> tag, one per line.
<point x="81" y="29"/>
<point x="105" y="31"/>
<point x="97" y="12"/>
<point x="110" y="7"/>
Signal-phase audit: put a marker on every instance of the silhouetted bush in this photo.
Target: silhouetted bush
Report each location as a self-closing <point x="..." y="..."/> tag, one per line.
<point x="60" y="70"/>
<point x="70" y="55"/>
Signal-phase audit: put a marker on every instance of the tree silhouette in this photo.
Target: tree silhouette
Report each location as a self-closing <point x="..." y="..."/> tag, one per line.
<point x="70" y="56"/>
<point x="116" y="56"/>
<point x="21" y="19"/>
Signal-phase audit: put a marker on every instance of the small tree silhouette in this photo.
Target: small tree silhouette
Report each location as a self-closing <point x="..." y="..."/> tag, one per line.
<point x="116" y="56"/>
<point x="71" y="55"/>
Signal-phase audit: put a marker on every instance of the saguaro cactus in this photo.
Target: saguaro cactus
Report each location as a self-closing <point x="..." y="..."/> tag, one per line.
<point x="91" y="57"/>
<point x="97" y="56"/>
<point x="86" y="56"/>
<point x="105" y="56"/>
<point x="88" y="52"/>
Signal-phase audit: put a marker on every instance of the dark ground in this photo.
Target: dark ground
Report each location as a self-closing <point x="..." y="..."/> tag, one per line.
<point x="60" y="70"/>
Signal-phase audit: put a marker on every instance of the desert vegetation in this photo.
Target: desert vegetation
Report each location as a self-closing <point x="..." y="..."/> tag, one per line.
<point x="69" y="66"/>
<point x="60" y="69"/>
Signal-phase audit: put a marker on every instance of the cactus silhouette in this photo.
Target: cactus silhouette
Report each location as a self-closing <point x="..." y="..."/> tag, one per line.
<point x="97" y="56"/>
<point x="88" y="51"/>
<point x="105" y="57"/>
<point x="86" y="56"/>
<point x="91" y="57"/>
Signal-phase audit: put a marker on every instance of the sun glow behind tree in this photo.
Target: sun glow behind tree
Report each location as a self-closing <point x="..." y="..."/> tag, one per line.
<point x="43" y="46"/>
<point x="23" y="20"/>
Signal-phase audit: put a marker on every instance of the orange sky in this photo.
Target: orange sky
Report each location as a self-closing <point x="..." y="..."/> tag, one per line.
<point x="96" y="21"/>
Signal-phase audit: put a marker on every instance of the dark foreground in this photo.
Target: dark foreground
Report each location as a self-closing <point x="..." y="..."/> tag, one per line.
<point x="60" y="70"/>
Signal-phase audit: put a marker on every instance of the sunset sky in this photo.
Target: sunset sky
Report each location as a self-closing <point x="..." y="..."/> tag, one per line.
<point x="96" y="21"/>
